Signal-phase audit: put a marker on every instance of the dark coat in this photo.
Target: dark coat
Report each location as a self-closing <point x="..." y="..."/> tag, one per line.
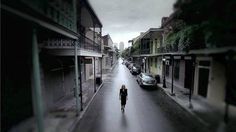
<point x="123" y="96"/>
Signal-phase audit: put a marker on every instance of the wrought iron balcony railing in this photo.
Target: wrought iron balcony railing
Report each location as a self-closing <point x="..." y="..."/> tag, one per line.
<point x="61" y="12"/>
<point x="83" y="43"/>
<point x="145" y="51"/>
<point x="58" y="44"/>
<point x="89" y="44"/>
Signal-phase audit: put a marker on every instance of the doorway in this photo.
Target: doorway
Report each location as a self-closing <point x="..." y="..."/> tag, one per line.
<point x="203" y="77"/>
<point x="188" y="74"/>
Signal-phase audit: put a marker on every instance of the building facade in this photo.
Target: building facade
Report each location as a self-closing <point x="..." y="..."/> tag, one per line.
<point x="56" y="50"/>
<point x="109" y="56"/>
<point x="196" y="69"/>
<point x="145" y="53"/>
<point x="121" y="46"/>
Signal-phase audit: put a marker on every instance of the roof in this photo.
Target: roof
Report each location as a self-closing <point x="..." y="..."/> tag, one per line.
<point x="167" y="20"/>
<point x="87" y="3"/>
<point x="147" y="32"/>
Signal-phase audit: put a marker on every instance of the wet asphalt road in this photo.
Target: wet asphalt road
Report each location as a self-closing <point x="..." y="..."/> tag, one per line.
<point x="146" y="110"/>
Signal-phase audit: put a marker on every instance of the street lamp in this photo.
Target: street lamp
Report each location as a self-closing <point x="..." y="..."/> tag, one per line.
<point x="111" y="60"/>
<point x="164" y="71"/>
<point x="145" y="67"/>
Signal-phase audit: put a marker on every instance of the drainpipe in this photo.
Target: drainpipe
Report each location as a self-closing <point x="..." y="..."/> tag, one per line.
<point x="94" y="72"/>
<point x="77" y="80"/>
<point x="36" y="84"/>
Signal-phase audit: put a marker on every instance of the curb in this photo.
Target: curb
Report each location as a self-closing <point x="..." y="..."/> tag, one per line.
<point x="184" y="108"/>
<point x="73" y="126"/>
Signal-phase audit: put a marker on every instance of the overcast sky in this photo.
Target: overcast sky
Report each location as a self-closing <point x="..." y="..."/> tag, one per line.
<point x="125" y="19"/>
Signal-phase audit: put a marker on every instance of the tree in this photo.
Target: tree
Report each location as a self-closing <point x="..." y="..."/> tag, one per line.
<point x="216" y="19"/>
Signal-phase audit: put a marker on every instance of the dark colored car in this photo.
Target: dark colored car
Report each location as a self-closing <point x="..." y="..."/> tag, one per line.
<point x="124" y="61"/>
<point x="145" y="79"/>
<point x="135" y="70"/>
<point x="127" y="63"/>
<point x="130" y="65"/>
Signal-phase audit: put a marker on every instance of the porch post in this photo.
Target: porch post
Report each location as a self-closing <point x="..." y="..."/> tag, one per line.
<point x="94" y="69"/>
<point x="172" y="77"/>
<point x="36" y="84"/>
<point x="101" y="68"/>
<point x="80" y="84"/>
<point x="77" y="81"/>
<point x="164" y="72"/>
<point x="100" y="36"/>
<point x="94" y="37"/>
<point x="192" y="83"/>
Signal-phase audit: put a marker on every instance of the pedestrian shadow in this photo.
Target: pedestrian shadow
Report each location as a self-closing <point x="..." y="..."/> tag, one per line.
<point x="124" y="123"/>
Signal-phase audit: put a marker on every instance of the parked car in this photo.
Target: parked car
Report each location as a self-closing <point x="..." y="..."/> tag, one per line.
<point x="127" y="63"/>
<point x="145" y="79"/>
<point x="130" y="65"/>
<point x="135" y="70"/>
<point x="124" y="61"/>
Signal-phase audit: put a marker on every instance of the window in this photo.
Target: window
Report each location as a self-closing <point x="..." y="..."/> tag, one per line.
<point x="176" y="69"/>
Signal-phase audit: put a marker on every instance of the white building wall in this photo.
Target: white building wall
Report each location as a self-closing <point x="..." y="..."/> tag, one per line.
<point x="217" y="83"/>
<point x="159" y="66"/>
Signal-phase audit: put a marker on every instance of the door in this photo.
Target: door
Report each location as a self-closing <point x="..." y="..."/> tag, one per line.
<point x="203" y="81"/>
<point x="188" y="74"/>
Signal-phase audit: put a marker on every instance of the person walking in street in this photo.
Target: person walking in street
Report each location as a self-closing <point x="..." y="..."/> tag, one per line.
<point x="123" y="97"/>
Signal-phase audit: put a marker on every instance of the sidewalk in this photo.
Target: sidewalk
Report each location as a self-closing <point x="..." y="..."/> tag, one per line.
<point x="106" y="72"/>
<point x="62" y="118"/>
<point x="68" y="123"/>
<point x="209" y="116"/>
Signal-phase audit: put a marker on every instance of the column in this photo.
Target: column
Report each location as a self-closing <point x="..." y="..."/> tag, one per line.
<point x="94" y="69"/>
<point x="36" y="84"/>
<point x="94" y="47"/>
<point x="77" y="81"/>
<point x="172" y="77"/>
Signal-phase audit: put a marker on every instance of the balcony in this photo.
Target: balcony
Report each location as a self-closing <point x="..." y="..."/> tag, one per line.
<point x="58" y="44"/>
<point x="145" y="51"/>
<point x="88" y="44"/>
<point x="84" y="44"/>
<point x="167" y="49"/>
<point x="55" y="12"/>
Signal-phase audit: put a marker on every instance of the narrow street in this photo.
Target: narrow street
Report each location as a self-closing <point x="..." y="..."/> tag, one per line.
<point x="146" y="110"/>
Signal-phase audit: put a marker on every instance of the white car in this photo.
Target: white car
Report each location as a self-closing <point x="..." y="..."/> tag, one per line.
<point x="145" y="79"/>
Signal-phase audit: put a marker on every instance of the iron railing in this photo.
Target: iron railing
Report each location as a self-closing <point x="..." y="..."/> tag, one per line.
<point x="61" y="12"/>
<point x="83" y="43"/>
<point x="89" y="44"/>
<point x="145" y="51"/>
